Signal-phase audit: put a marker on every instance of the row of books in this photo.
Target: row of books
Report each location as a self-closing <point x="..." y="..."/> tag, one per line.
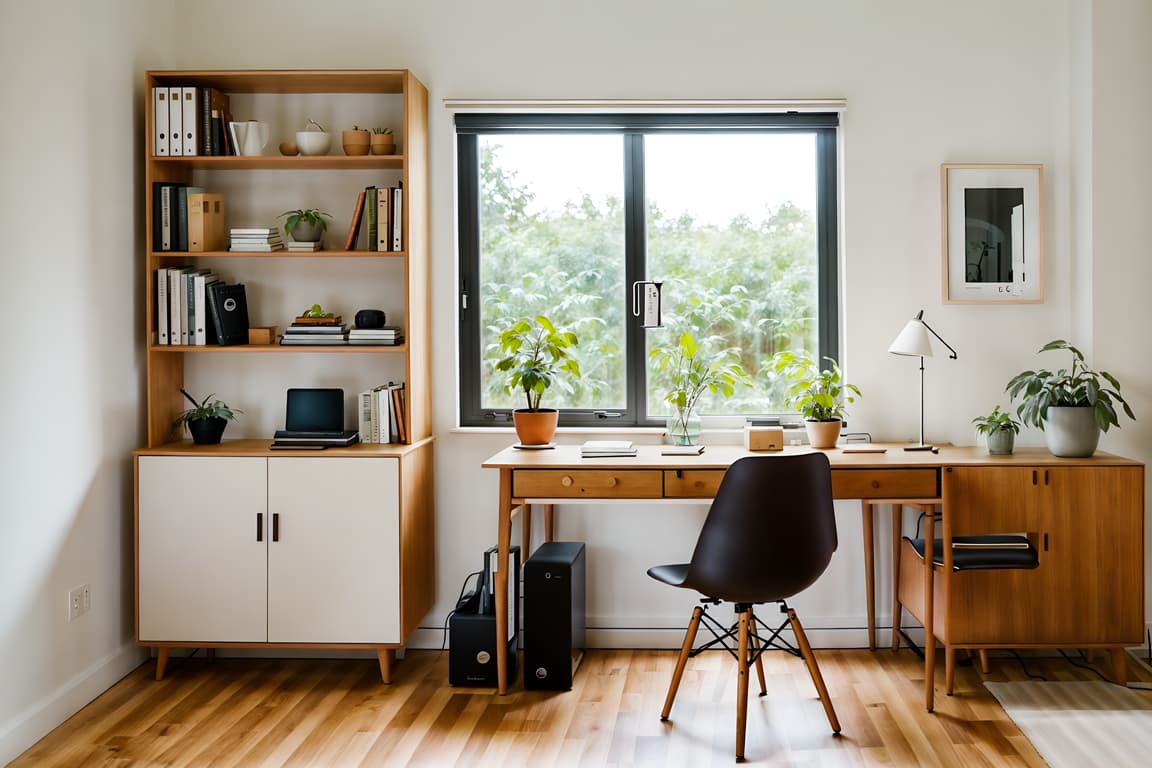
<point x="189" y="121"/>
<point x="194" y="307"/>
<point x="186" y="218"/>
<point x="379" y="211"/>
<point x="299" y="334"/>
<point x="381" y="414"/>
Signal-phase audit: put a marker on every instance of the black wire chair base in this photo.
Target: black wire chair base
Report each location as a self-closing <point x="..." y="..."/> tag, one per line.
<point x="721" y="634"/>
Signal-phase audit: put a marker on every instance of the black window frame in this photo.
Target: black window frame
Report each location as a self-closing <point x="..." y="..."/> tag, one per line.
<point x="632" y="127"/>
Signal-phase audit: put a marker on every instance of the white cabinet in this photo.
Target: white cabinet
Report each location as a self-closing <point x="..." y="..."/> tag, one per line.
<point x="282" y="550"/>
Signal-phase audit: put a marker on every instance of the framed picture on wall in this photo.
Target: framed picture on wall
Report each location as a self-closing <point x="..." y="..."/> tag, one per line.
<point x="992" y="228"/>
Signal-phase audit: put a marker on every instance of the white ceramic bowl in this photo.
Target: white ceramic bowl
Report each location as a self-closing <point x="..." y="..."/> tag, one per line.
<point x="313" y="142"/>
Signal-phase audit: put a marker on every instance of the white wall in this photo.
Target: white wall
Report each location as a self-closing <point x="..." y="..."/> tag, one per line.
<point x="926" y="83"/>
<point x="72" y="364"/>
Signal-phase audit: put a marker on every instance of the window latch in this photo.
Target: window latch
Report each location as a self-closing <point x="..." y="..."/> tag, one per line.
<point x="607" y="414"/>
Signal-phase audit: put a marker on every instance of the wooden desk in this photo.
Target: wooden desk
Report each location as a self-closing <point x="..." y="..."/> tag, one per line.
<point x="561" y="476"/>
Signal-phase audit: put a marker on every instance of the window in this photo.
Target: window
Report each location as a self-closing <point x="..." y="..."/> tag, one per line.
<point x="560" y="214"/>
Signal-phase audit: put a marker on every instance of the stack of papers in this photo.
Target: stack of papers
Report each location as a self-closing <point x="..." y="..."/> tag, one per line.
<point x="596" y="448"/>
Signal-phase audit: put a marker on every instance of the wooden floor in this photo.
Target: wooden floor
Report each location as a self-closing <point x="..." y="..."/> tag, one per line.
<point x="246" y="712"/>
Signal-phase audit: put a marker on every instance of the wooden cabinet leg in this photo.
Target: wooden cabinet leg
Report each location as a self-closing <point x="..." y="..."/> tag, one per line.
<point x="1119" y="666"/>
<point x="949" y="668"/>
<point x="984" y="661"/>
<point x="387" y="657"/>
<point x="161" y="661"/>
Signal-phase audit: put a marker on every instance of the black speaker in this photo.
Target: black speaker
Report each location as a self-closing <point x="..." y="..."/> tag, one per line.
<point x="553" y="614"/>
<point x="472" y="633"/>
<point x="370" y="318"/>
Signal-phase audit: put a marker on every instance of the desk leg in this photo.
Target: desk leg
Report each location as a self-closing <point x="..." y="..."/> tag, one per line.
<point x="897" y="607"/>
<point x="525" y="532"/>
<point x="549" y="531"/>
<point x="869" y="572"/>
<point x="929" y="612"/>
<point x="503" y="543"/>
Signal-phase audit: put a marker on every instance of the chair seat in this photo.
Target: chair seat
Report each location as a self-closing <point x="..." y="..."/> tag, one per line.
<point x="989" y="552"/>
<point x="673" y="574"/>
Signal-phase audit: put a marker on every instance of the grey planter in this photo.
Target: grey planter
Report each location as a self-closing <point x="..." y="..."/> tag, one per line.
<point x="1001" y="441"/>
<point x="1071" y="431"/>
<point x="307" y="232"/>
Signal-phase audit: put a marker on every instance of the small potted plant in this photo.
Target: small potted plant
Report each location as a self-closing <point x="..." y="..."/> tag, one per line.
<point x="819" y="394"/>
<point x="383" y="142"/>
<point x="536" y="353"/>
<point x="1000" y="430"/>
<point x="305" y="225"/>
<point x="205" y="419"/>
<point x="689" y="375"/>
<point x="356" y="141"/>
<point x="1072" y="405"/>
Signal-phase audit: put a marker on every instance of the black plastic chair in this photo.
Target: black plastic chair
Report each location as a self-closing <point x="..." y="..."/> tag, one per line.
<point x="769" y="534"/>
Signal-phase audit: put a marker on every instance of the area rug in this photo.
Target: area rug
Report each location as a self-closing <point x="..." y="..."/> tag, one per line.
<point x="1077" y="724"/>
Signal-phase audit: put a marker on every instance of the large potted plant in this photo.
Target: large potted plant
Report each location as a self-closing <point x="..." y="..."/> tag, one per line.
<point x="819" y="394"/>
<point x="536" y="353"/>
<point x="689" y="375"/>
<point x="1072" y="405"/>
<point x="999" y="429"/>
<point x="206" y="419"/>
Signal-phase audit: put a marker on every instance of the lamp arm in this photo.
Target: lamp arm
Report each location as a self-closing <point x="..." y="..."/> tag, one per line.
<point x="953" y="355"/>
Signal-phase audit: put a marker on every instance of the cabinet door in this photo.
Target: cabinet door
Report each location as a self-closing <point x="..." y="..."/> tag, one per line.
<point x="334" y="567"/>
<point x="202" y="561"/>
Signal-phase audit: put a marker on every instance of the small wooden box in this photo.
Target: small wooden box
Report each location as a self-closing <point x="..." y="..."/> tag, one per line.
<point x="262" y="334"/>
<point x="763" y="438"/>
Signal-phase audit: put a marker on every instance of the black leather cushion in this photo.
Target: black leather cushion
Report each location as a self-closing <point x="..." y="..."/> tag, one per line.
<point x="969" y="555"/>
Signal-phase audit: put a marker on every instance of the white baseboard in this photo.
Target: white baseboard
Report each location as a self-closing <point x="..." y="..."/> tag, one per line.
<point x="24" y="730"/>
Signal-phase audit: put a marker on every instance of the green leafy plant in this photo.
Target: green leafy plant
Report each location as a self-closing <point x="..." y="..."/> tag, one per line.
<point x="819" y="394"/>
<point x="535" y="354"/>
<point x="205" y="409"/>
<point x="312" y="216"/>
<point x="316" y="311"/>
<point x="691" y="375"/>
<point x="1079" y="386"/>
<point x="996" y="421"/>
<point x="382" y="130"/>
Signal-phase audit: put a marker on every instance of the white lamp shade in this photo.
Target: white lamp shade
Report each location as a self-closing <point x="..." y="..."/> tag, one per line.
<point x="913" y="340"/>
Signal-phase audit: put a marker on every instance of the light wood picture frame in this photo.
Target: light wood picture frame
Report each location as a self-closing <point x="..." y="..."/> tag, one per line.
<point x="993" y="233"/>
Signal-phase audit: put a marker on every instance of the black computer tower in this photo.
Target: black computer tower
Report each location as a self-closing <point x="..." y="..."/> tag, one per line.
<point x="472" y="629"/>
<point x="554" y="592"/>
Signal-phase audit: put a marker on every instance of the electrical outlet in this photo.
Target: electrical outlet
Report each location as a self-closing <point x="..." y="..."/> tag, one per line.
<point x="79" y="601"/>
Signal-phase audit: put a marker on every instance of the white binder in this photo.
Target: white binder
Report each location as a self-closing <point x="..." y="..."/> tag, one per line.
<point x="160" y="121"/>
<point x="175" y="123"/>
<point x="189" y="124"/>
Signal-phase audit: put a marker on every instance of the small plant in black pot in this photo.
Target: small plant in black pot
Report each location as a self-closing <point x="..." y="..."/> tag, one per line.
<point x="206" y="420"/>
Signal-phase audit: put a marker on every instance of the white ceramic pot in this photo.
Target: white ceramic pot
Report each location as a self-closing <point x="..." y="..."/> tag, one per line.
<point x="313" y="142"/>
<point x="1071" y="431"/>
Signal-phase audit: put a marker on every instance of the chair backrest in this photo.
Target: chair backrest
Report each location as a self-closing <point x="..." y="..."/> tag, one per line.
<point x="770" y="532"/>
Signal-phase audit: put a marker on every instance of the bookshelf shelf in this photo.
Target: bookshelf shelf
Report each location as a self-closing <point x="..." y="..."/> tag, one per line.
<point x="285" y="163"/>
<point x="282" y="254"/>
<point x="265" y="349"/>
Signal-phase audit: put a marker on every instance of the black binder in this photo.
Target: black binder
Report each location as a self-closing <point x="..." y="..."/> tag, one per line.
<point x="229" y="309"/>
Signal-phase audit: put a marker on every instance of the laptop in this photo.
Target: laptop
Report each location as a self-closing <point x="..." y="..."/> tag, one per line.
<point x="314" y="417"/>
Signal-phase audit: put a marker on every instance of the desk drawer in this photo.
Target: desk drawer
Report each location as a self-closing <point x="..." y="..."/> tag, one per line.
<point x="885" y="483"/>
<point x="587" y="483"/>
<point x="692" y="483"/>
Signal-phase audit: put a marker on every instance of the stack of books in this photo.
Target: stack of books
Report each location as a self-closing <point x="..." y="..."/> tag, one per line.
<point x="255" y="239"/>
<point x="596" y="448"/>
<point x="381" y="414"/>
<point x="322" y="331"/>
<point x="296" y="245"/>
<point x="389" y="335"/>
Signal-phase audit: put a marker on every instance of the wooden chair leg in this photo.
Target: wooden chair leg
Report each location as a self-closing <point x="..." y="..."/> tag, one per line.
<point x="984" y="668"/>
<point x="949" y="668"/>
<point x="685" y="650"/>
<point x="742" y="684"/>
<point x="754" y="636"/>
<point x="813" y="670"/>
<point x="897" y="608"/>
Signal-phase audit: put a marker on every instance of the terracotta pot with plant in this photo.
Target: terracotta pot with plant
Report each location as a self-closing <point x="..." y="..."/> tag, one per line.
<point x="536" y="354"/>
<point x="1000" y="430"/>
<point x="689" y="376"/>
<point x="1072" y="406"/>
<point x="206" y="419"/>
<point x="356" y="141"/>
<point x="305" y="225"/>
<point x="819" y="394"/>
<point x="383" y="142"/>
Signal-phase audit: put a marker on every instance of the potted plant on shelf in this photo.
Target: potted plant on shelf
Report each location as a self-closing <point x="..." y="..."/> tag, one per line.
<point x="819" y="394"/>
<point x="305" y="225"/>
<point x="689" y="376"/>
<point x="1000" y="430"/>
<point x="356" y="141"/>
<point x="536" y="353"/>
<point x="205" y="419"/>
<point x="1072" y="406"/>
<point x="383" y="142"/>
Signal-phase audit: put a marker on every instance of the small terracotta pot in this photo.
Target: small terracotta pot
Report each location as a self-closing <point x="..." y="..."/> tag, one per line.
<point x="823" y="434"/>
<point x="383" y="144"/>
<point x="535" y="427"/>
<point x="356" y="142"/>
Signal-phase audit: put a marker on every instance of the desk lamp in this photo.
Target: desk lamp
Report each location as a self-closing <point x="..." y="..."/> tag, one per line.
<point x="914" y="341"/>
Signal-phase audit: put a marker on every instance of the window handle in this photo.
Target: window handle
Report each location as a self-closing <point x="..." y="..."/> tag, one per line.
<point x="607" y="414"/>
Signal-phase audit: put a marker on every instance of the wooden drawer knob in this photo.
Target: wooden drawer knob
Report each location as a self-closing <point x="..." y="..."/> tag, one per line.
<point x="566" y="481"/>
<point x="875" y="483"/>
<point x="612" y="482"/>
